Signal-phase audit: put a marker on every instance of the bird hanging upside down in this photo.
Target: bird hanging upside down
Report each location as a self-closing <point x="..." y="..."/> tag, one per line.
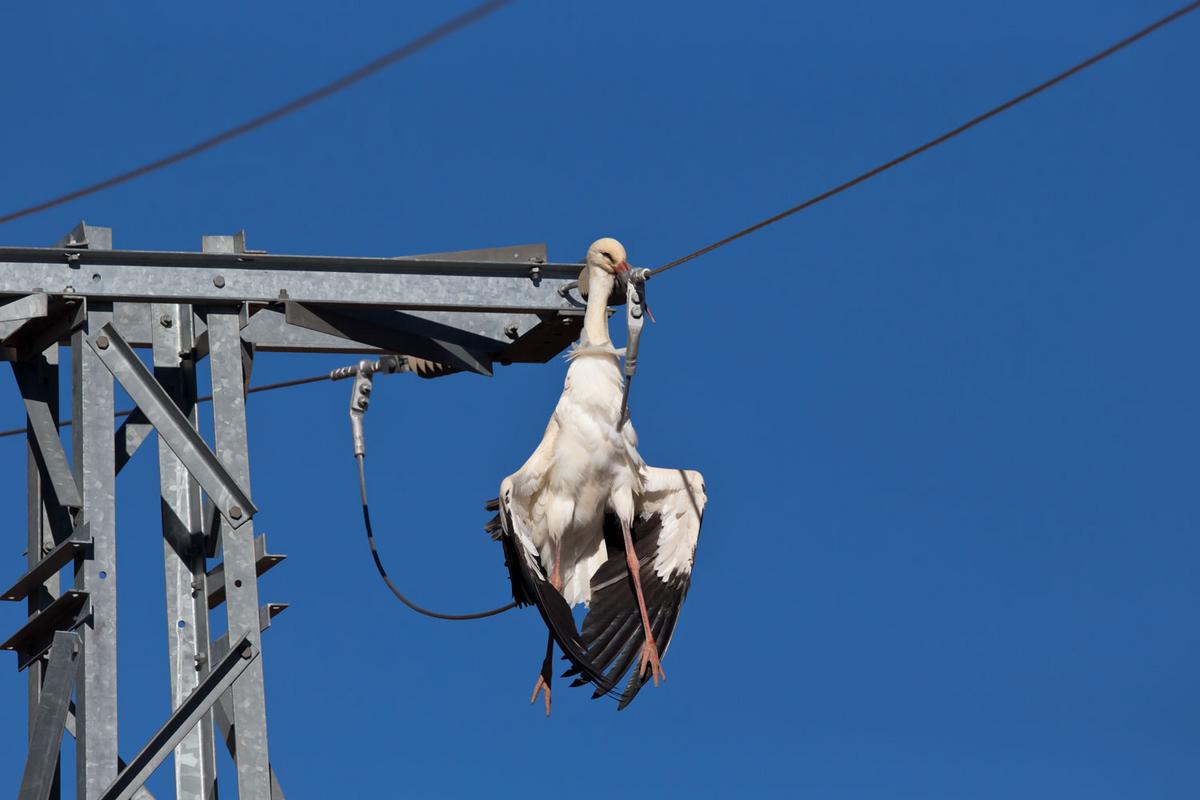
<point x="585" y="520"/>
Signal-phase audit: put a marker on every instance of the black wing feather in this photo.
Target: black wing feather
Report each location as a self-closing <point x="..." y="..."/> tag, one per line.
<point x="612" y="630"/>
<point x="531" y="589"/>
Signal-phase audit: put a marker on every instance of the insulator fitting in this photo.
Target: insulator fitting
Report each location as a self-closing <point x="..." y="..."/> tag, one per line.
<point x="424" y="368"/>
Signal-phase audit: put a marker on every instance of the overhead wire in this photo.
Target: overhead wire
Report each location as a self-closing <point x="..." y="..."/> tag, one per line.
<point x="399" y="54"/>
<point x="362" y="488"/>
<point x="266" y="387"/>
<point x="462" y="21"/>
<point x="932" y="143"/>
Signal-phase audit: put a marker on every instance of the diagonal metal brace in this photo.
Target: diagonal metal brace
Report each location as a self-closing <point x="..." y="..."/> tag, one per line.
<point x="46" y="737"/>
<point x="29" y="307"/>
<point x="50" y="451"/>
<point x="171" y="424"/>
<point x="223" y="675"/>
<point x="14" y="315"/>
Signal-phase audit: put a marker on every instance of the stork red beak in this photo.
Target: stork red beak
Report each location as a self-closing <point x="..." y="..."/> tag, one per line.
<point x="622" y="267"/>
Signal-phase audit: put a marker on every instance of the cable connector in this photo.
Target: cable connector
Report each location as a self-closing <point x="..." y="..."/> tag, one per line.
<point x="360" y="393"/>
<point x="635" y="320"/>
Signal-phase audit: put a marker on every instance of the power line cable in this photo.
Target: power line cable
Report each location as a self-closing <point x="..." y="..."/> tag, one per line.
<point x="399" y="54"/>
<point x="266" y="387"/>
<point x="486" y="8"/>
<point x="966" y="126"/>
<point x="362" y="488"/>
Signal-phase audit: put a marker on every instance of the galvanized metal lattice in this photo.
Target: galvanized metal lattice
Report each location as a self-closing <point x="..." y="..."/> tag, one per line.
<point x="465" y="311"/>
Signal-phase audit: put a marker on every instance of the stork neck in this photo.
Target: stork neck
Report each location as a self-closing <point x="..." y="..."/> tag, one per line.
<point x="595" y="318"/>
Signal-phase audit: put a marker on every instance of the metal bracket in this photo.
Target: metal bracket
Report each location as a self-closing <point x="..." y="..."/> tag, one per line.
<point x="397" y="332"/>
<point x="66" y="551"/>
<point x="263" y="561"/>
<point x="35" y="636"/>
<point x="25" y="340"/>
<point x="50" y="451"/>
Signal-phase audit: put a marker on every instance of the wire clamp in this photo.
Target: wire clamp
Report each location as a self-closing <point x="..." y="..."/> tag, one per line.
<point x="360" y="393"/>
<point x="635" y="320"/>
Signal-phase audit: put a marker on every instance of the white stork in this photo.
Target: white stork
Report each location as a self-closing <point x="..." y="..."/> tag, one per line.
<point x="585" y="520"/>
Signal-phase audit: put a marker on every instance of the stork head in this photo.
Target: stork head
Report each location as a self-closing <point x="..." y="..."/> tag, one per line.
<point x="608" y="255"/>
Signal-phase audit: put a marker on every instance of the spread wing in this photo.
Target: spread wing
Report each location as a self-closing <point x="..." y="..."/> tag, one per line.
<point x="530" y="586"/>
<point x="665" y="531"/>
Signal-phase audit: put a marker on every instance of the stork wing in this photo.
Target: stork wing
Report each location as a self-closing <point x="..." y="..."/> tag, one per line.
<point x="665" y="530"/>
<point x="530" y="586"/>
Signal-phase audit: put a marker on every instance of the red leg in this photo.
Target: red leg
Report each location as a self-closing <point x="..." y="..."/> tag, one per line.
<point x="556" y="574"/>
<point x="650" y="648"/>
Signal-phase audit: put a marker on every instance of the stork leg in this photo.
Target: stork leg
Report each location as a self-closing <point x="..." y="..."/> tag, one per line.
<point x="649" y="648"/>
<point x="543" y="681"/>
<point x="556" y="573"/>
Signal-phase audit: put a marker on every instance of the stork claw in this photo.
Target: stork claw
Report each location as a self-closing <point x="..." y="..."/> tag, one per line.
<point x="541" y="684"/>
<point x="650" y="659"/>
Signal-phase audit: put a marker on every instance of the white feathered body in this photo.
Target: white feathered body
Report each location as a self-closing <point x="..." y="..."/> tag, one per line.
<point x="583" y="464"/>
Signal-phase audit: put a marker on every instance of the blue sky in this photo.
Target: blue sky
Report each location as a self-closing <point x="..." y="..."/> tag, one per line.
<point x="947" y="420"/>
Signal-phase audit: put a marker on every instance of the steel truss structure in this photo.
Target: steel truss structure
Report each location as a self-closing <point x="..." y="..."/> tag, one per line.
<point x="463" y="311"/>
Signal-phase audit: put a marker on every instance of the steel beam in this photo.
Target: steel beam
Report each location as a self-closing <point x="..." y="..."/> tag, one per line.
<point x="266" y="614"/>
<point x="43" y="423"/>
<point x="172" y="426"/>
<point x="183" y="553"/>
<point x="42" y="572"/>
<point x="223" y="675"/>
<point x="223" y="708"/>
<point x="143" y="793"/>
<point x="40" y="777"/>
<point x="399" y="283"/>
<point x="95" y="471"/>
<point x="34" y="638"/>
<point x="30" y="307"/>
<point x="396" y="332"/>
<point x="25" y="340"/>
<point x="44" y="520"/>
<point x="269" y="331"/>
<point x="15" y="314"/>
<point x="241" y="586"/>
<point x="84" y="236"/>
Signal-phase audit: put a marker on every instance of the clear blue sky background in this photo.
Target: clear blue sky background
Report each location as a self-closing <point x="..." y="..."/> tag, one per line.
<point x="948" y="420"/>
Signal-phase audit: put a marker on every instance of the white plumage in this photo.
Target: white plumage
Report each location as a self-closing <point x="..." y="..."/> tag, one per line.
<point x="586" y="479"/>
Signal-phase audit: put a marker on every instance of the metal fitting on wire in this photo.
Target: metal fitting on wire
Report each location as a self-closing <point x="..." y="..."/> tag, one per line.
<point x="635" y="318"/>
<point x="360" y="393"/>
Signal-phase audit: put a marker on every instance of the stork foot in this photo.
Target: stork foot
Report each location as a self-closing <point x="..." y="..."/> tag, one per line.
<point x="650" y="660"/>
<point x="542" y="684"/>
